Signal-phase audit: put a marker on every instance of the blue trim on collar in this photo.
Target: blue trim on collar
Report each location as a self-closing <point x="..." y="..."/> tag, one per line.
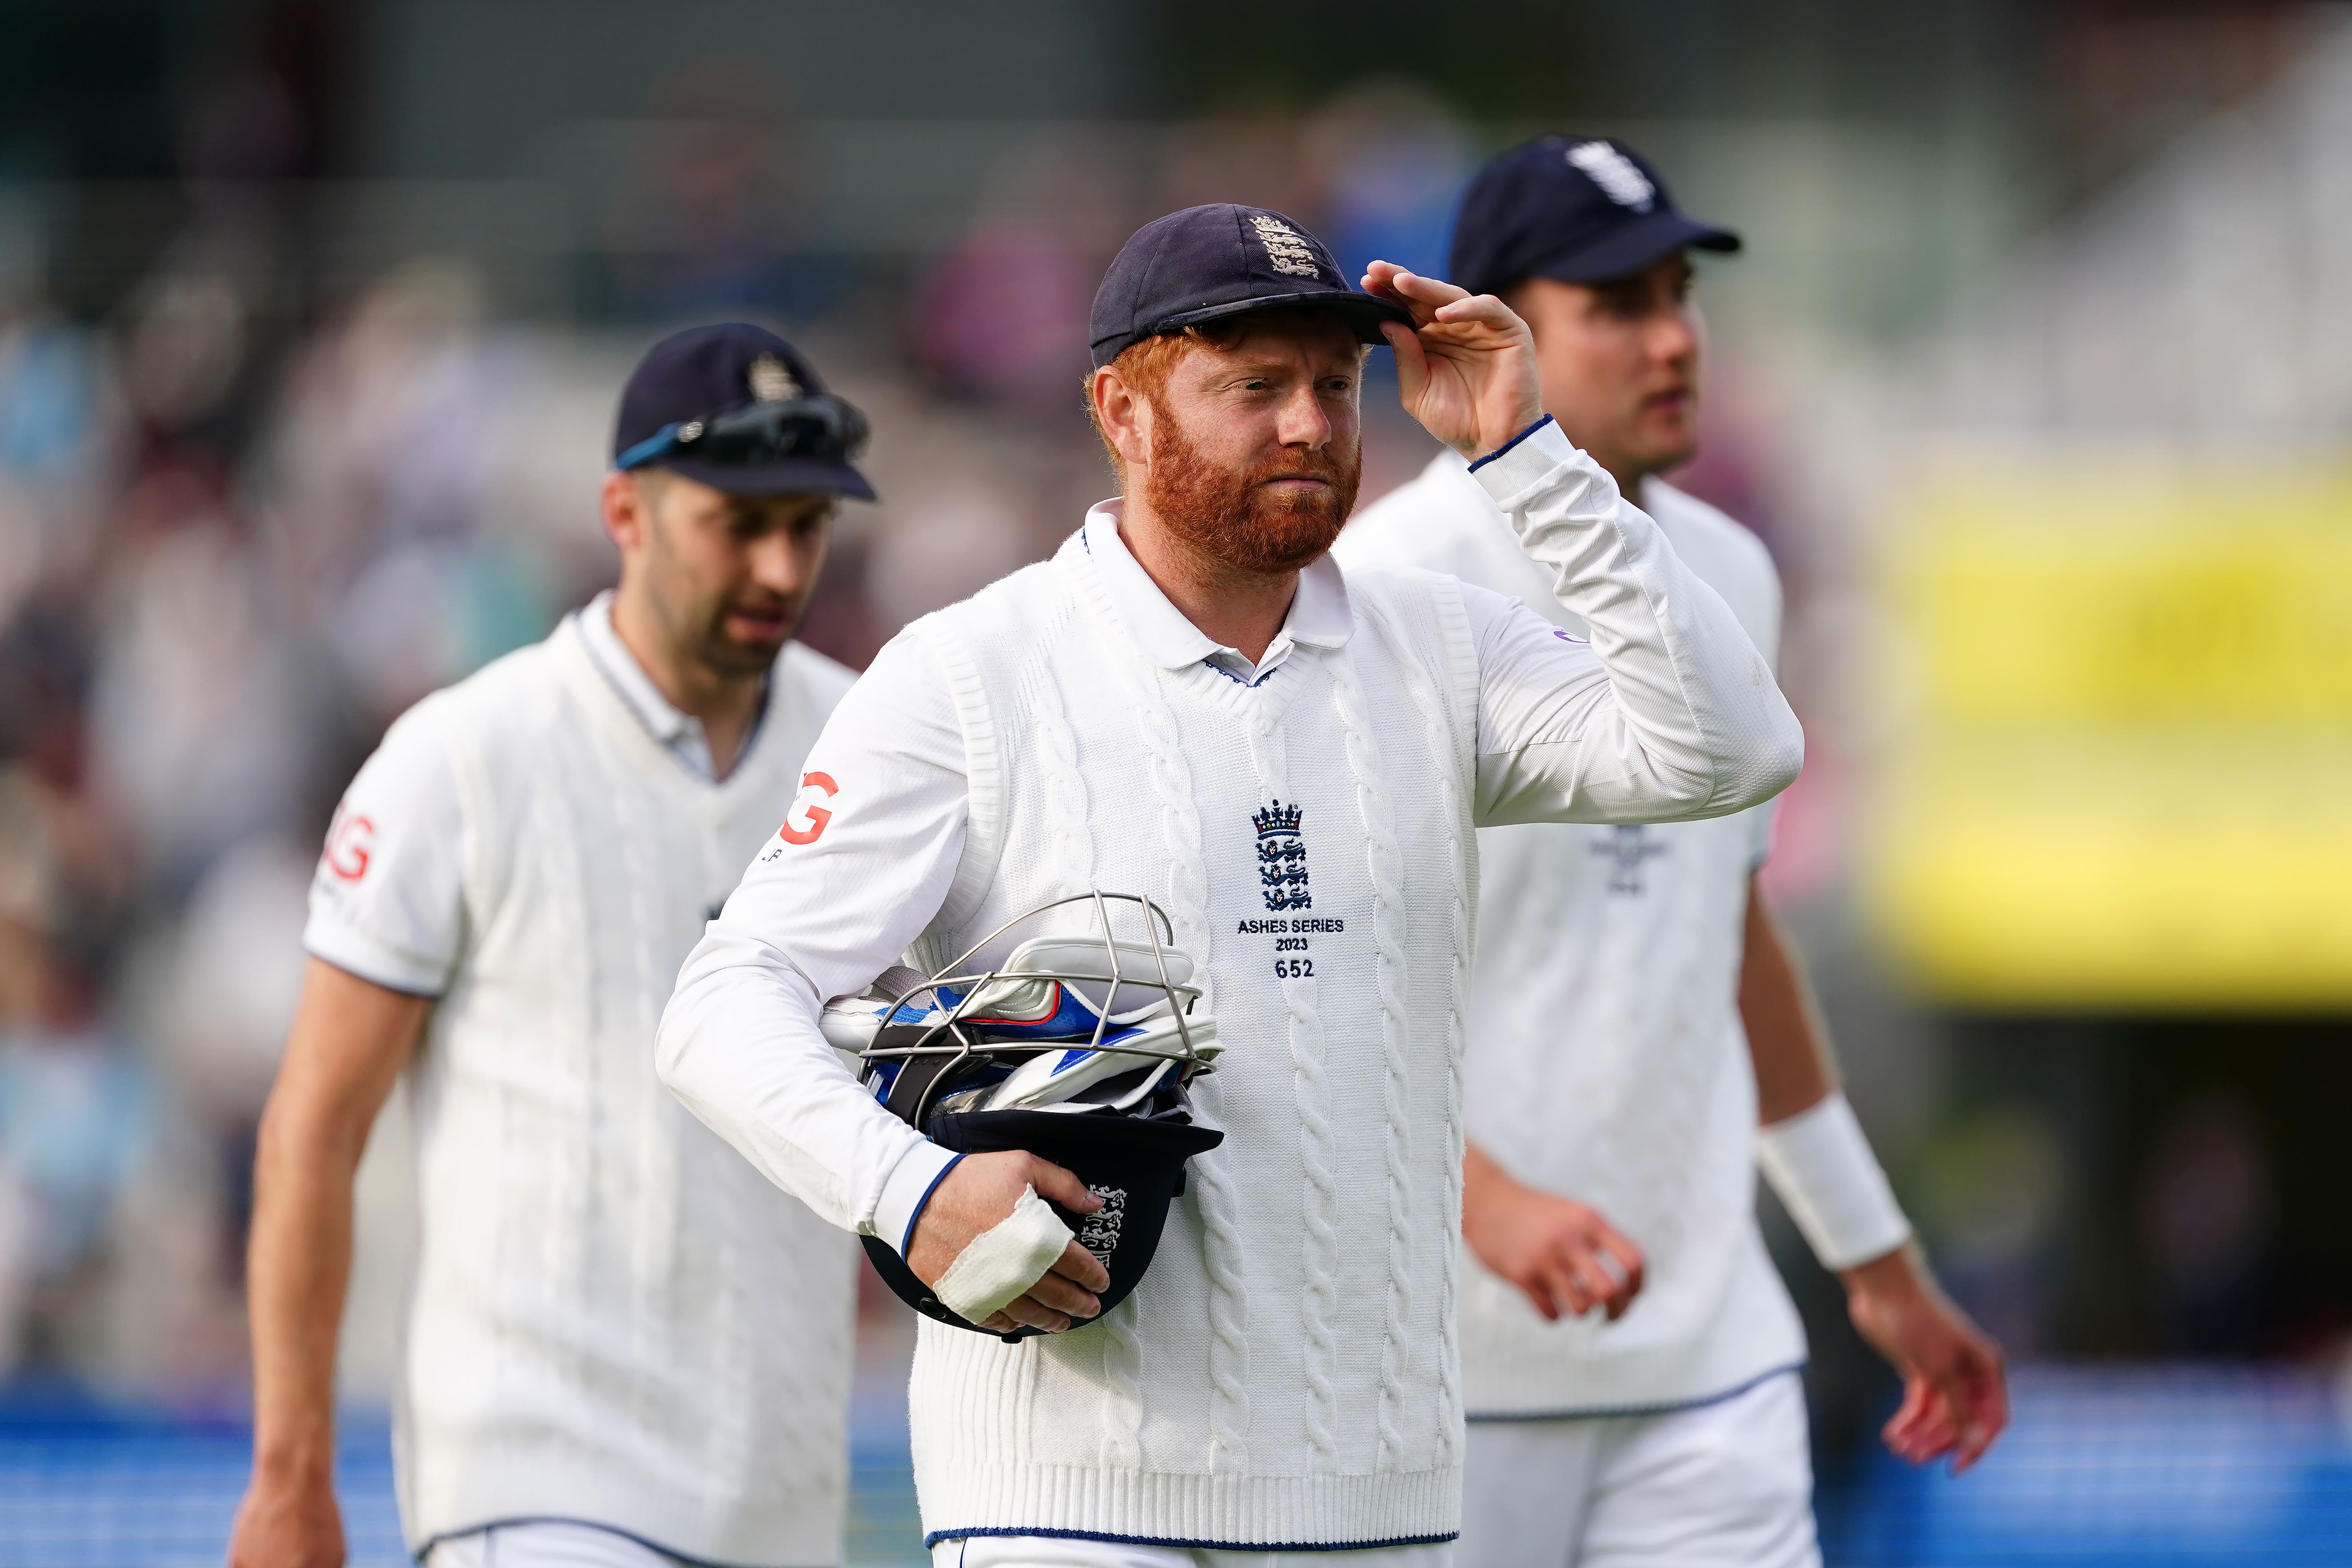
<point x="1262" y="676"/>
<point x="1017" y="1532"/>
<point x="1478" y="463"/>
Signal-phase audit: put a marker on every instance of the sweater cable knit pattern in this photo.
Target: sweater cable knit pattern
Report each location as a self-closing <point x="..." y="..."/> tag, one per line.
<point x="1063" y="787"/>
<point x="1211" y="1192"/>
<point x="1453" y="811"/>
<point x="1384" y="862"/>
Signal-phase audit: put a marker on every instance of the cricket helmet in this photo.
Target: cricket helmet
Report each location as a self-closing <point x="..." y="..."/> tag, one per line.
<point x="1079" y="1049"/>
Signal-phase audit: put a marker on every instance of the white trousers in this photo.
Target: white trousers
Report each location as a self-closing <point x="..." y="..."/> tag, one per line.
<point x="547" y="1543"/>
<point x="1727" y="1485"/>
<point x="1052" y="1552"/>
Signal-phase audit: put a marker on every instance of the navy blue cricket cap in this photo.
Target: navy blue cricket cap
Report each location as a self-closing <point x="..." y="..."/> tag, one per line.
<point x="1206" y="263"/>
<point x="740" y="409"/>
<point x="1582" y="209"/>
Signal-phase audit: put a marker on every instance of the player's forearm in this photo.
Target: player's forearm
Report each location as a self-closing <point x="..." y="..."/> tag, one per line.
<point x="1489" y="1196"/>
<point x="1812" y="1149"/>
<point x="1899" y="1273"/>
<point x="1695" y="713"/>
<point x="297" y="1270"/>
<point x="740" y="1046"/>
<point x="350" y="1041"/>
<point x="1786" y="1040"/>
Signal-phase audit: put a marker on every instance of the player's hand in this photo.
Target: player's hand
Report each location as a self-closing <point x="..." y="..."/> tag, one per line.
<point x="1563" y="1254"/>
<point x="1955" y="1392"/>
<point x="1467" y="366"/>
<point x="978" y="1195"/>
<point x="286" y="1523"/>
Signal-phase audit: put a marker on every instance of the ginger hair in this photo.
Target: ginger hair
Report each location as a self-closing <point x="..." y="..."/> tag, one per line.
<point x="1146" y="364"/>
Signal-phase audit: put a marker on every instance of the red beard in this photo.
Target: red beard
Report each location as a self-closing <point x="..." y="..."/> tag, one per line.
<point x="1229" y="519"/>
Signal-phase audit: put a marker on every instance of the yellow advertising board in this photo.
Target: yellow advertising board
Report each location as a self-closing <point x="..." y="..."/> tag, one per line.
<point x="2121" y="766"/>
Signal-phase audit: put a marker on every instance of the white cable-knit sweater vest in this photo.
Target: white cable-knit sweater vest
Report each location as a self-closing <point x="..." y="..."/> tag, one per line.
<point x="1287" y="1374"/>
<point x="615" y="1318"/>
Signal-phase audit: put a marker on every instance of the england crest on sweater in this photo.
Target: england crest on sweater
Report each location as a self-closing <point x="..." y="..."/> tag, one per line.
<point x="1281" y="858"/>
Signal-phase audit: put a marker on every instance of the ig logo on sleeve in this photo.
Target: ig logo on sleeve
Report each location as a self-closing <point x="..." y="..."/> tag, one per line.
<point x="811" y="817"/>
<point x="351" y="843"/>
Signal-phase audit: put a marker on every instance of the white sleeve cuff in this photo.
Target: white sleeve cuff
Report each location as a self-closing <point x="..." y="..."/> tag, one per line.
<point x="908" y="1188"/>
<point x="1820" y="1164"/>
<point x="1514" y="472"/>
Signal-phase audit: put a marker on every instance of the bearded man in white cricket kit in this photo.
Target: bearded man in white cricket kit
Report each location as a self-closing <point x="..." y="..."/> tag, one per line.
<point x="1630" y="1355"/>
<point x="1191" y="671"/>
<point x="622" y="1348"/>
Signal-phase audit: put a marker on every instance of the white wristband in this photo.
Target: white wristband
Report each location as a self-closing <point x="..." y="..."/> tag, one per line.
<point x="1821" y="1164"/>
<point x="1001" y="1263"/>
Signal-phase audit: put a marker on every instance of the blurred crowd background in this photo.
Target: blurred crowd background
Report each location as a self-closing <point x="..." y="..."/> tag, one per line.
<point x="2036" y="377"/>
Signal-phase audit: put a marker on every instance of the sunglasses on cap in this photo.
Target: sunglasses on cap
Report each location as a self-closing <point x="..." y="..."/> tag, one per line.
<point x="770" y="431"/>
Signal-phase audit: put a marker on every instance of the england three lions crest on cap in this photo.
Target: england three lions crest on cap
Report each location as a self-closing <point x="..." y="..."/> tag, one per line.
<point x="1614" y="173"/>
<point x="771" y="382"/>
<point x="1286" y="250"/>
<point x="1281" y="858"/>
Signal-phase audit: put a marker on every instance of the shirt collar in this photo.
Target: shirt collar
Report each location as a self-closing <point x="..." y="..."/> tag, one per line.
<point x="628" y="678"/>
<point x="1319" y="615"/>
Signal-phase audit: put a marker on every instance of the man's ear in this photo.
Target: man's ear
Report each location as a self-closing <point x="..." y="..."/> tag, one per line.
<point x="1124" y="415"/>
<point x="624" y="504"/>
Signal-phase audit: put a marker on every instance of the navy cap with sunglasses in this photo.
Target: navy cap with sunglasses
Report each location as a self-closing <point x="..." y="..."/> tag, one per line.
<point x="1581" y="209"/>
<point x="738" y="408"/>
<point x="1207" y="263"/>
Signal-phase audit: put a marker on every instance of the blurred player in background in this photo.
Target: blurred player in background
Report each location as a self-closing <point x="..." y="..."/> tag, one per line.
<point x="1636" y="1013"/>
<point x="623" y="1346"/>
